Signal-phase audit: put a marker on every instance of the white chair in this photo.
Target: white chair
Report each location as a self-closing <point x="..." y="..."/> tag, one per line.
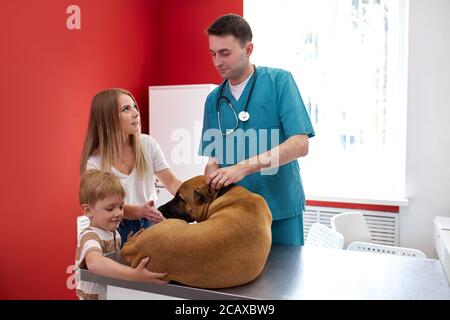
<point x="352" y="226"/>
<point x="320" y="235"/>
<point x="384" y="249"/>
<point x="82" y="223"/>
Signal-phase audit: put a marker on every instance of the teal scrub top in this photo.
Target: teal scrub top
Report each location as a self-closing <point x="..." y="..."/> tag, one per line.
<point x="277" y="112"/>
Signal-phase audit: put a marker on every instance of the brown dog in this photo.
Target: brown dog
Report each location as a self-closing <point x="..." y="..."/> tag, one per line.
<point x="227" y="247"/>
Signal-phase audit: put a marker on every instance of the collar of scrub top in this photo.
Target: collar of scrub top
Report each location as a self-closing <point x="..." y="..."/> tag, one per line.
<point x="243" y="115"/>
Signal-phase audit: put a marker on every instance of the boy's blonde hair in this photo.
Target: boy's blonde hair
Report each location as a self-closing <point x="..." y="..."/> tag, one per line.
<point x="104" y="133"/>
<point x="97" y="185"/>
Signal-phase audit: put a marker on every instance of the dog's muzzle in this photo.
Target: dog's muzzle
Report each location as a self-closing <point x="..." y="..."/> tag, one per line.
<point x="174" y="209"/>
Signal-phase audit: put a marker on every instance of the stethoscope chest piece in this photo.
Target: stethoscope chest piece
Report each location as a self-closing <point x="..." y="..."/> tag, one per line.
<point x="244" y="116"/>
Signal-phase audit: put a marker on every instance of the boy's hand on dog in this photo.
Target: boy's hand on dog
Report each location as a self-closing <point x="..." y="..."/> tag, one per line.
<point x="143" y="274"/>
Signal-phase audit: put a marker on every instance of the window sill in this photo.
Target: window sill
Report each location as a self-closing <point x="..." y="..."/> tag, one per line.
<point x="370" y="204"/>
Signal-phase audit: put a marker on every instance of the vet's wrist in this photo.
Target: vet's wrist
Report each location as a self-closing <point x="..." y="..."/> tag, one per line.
<point x="247" y="167"/>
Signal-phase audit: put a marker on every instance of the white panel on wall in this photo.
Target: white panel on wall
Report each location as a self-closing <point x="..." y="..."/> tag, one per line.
<point x="176" y="119"/>
<point x="428" y="138"/>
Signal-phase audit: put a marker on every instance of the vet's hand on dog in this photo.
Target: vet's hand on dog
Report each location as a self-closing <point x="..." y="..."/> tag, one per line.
<point x="149" y="212"/>
<point x="223" y="177"/>
<point x="143" y="274"/>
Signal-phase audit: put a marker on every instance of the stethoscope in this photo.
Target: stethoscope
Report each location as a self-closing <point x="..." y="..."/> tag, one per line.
<point x="243" y="115"/>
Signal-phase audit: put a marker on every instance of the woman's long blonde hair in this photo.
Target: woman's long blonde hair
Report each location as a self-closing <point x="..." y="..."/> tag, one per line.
<point x="104" y="136"/>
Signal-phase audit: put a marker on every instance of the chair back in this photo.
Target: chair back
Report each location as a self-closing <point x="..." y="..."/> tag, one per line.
<point x="320" y="235"/>
<point x="352" y="226"/>
<point x="384" y="249"/>
<point x="82" y="223"/>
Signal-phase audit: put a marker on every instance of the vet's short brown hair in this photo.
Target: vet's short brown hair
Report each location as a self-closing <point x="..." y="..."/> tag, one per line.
<point x="97" y="185"/>
<point x="232" y="24"/>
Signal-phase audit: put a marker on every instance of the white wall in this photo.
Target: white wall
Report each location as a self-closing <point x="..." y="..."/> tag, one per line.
<point x="428" y="125"/>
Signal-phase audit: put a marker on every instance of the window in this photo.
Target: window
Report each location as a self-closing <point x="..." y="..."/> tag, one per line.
<point x="349" y="60"/>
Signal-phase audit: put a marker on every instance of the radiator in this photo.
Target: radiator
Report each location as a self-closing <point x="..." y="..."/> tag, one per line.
<point x="383" y="226"/>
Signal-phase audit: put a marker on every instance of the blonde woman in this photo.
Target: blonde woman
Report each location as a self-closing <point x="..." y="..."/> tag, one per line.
<point x="114" y="143"/>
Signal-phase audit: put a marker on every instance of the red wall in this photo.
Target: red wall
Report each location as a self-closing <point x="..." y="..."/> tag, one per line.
<point x="185" y="57"/>
<point x="48" y="77"/>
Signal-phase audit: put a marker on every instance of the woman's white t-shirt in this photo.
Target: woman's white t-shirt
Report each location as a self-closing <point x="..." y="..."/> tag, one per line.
<point x="139" y="189"/>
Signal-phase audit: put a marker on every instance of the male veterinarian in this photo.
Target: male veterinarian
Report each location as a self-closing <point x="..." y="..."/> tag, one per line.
<point x="255" y="126"/>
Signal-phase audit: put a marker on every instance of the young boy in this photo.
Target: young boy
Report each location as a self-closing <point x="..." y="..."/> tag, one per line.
<point x="102" y="199"/>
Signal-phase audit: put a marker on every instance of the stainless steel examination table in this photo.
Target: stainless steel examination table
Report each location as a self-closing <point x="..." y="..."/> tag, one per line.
<point x="295" y="272"/>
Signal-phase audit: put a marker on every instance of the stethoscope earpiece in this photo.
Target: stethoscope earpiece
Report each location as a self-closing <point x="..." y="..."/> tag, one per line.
<point x="243" y="115"/>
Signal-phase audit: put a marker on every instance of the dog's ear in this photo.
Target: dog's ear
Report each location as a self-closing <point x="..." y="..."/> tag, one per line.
<point x="199" y="198"/>
<point x="202" y="195"/>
